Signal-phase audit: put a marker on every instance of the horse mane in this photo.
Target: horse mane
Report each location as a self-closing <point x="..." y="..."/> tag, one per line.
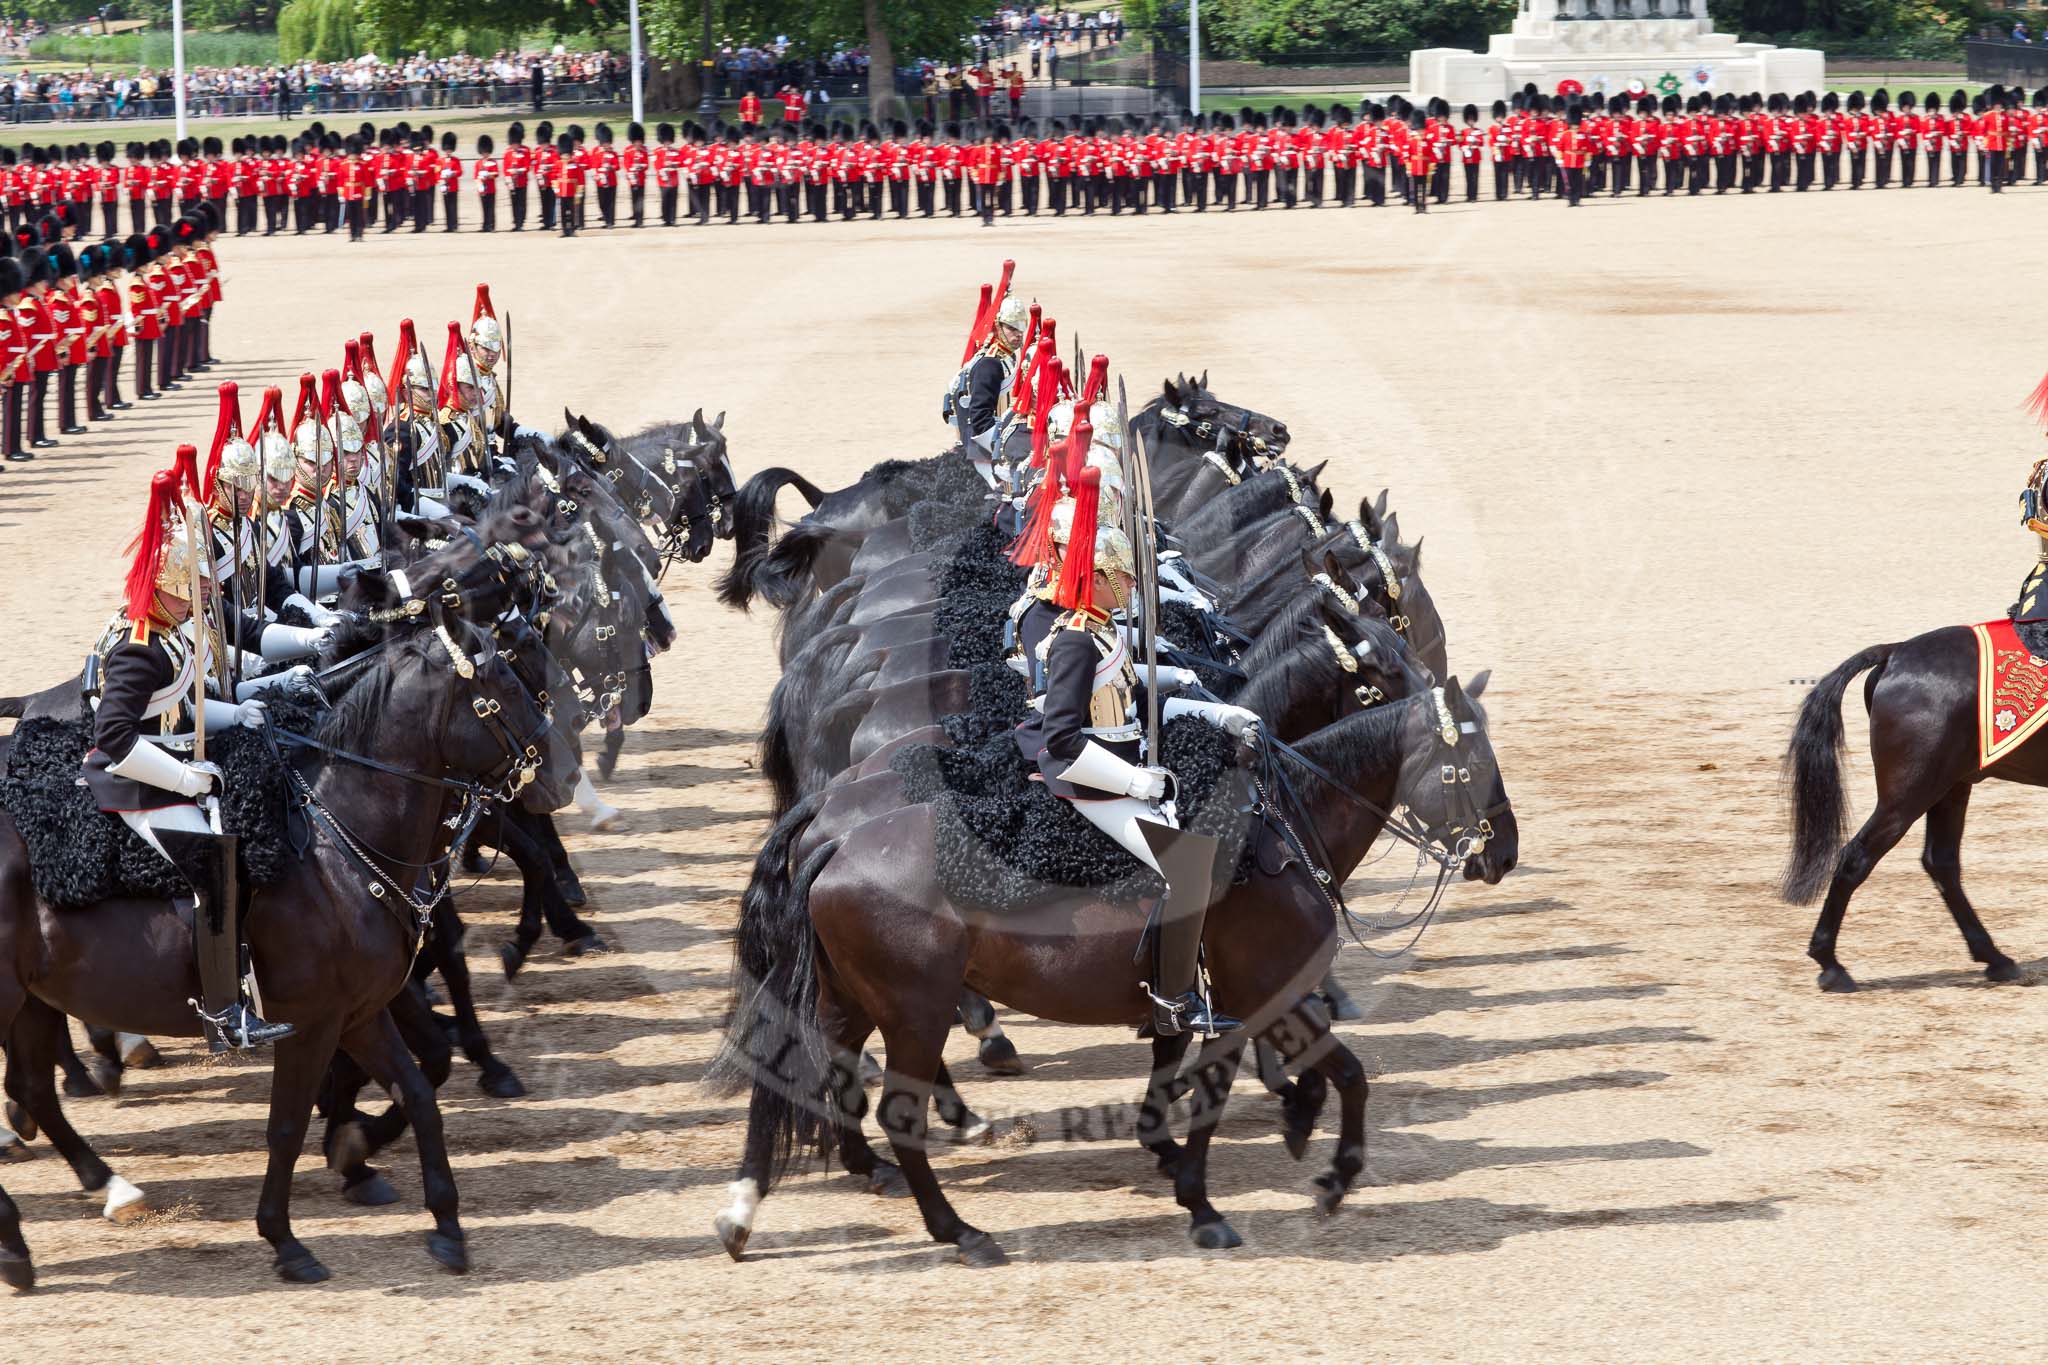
<point x="1367" y="742"/>
<point x="1281" y="675"/>
<point x="356" y="715"/>
<point x="1282" y="632"/>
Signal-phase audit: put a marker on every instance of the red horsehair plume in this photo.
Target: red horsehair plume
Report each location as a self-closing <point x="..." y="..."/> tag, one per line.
<point x="269" y="413"/>
<point x="308" y="405"/>
<point x="1021" y="390"/>
<point x="352" y="360"/>
<point x="2037" y="402"/>
<point x="1034" y="545"/>
<point x="151" y="543"/>
<point x="187" y="466"/>
<point x="980" y="312"/>
<point x="1077" y="566"/>
<point x="1051" y="374"/>
<point x="227" y="425"/>
<point x="1098" y="379"/>
<point x="985" y="316"/>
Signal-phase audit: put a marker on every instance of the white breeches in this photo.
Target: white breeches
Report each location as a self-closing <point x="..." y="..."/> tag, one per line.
<point x="184" y="819"/>
<point x="1120" y="818"/>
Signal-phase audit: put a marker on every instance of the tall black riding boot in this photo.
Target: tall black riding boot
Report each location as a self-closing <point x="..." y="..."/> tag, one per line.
<point x="1179" y="1004"/>
<point x="207" y="861"/>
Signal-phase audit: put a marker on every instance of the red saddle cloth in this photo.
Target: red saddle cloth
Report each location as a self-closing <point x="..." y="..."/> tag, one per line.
<point x="2012" y="692"/>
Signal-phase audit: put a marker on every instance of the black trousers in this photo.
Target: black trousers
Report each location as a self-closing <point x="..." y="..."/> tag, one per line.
<point x="422" y="210"/>
<point x="145" y="353"/>
<point x="926" y="198"/>
<point x="608" y="204"/>
<point x="38" y="433"/>
<point x="110" y="376"/>
<point x="1471" y="182"/>
<point x="547" y="208"/>
<point x="1908" y="160"/>
<point x="952" y="189"/>
<point x="668" y="205"/>
<point x="487" y="210"/>
<point x="96" y="387"/>
<point x="1028" y="188"/>
<point x="451" y="210"/>
<point x="395" y="209"/>
<point x="899" y="198"/>
<point x="1803" y="175"/>
<point x="356" y="213"/>
<point x="518" y="199"/>
<point x="138" y="214"/>
<point x="565" y="213"/>
<point x="10" y="420"/>
<point x="1883" y="176"/>
<point x="1858" y="159"/>
<point x="700" y="203"/>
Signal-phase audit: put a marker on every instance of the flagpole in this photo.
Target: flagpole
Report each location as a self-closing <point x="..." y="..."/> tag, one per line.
<point x="1194" y="56"/>
<point x="178" y="64"/>
<point x="633" y="21"/>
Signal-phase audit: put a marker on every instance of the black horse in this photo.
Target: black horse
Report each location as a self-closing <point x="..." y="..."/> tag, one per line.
<point x="1922" y="700"/>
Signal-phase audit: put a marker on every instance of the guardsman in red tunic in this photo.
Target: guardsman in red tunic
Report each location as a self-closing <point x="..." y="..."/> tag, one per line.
<point x="14" y="356"/>
<point x="426" y="177"/>
<point x="485" y="169"/>
<point x="1990" y="129"/>
<point x="117" y="260"/>
<point x="448" y="175"/>
<point x="568" y="176"/>
<point x="667" y="165"/>
<point x="633" y="165"/>
<point x="750" y="110"/>
<point x="1418" y="159"/>
<point x="1570" y="148"/>
<point x="1829" y="144"/>
<point x="543" y="170"/>
<point x="354" y="189"/>
<point x="39" y="336"/>
<point x="985" y="167"/>
<point x="793" y="107"/>
<point x="518" y="170"/>
<point x="1471" y="150"/>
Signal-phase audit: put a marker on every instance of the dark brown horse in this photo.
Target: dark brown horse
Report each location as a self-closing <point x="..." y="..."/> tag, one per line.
<point x="1922" y="700"/>
<point x="867" y="939"/>
<point x="410" y="744"/>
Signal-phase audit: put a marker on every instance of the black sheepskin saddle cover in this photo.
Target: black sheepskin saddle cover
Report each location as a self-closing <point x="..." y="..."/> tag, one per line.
<point x="1006" y="843"/>
<point x="79" y="855"/>
<point x="946" y="478"/>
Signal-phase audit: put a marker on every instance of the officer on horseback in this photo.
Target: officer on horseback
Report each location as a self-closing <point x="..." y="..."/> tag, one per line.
<point x="1089" y="745"/>
<point x="140" y="681"/>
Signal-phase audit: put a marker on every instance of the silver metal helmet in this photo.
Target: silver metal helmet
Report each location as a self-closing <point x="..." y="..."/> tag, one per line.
<point x="1014" y="314"/>
<point x="373" y="386"/>
<point x="279" y="460"/>
<point x="313" y="443"/>
<point x="1108" y="431"/>
<point x="357" y="398"/>
<point x="1059" y="419"/>
<point x="240" y="465"/>
<point x="348" y="432"/>
<point x="486" y="340"/>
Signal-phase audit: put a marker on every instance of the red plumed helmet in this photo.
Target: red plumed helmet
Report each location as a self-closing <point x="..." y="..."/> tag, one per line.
<point x="227" y="425"/>
<point x="2037" y="402"/>
<point x="330" y="395"/>
<point x="308" y="405"/>
<point x="270" y="414"/>
<point x="980" y="312"/>
<point x="482" y="308"/>
<point x="455" y="368"/>
<point x="187" y="466"/>
<point x="1077" y="565"/>
<point x="1034" y="545"/>
<point x="152" y="542"/>
<point x="352" y="360"/>
<point x="1098" y="379"/>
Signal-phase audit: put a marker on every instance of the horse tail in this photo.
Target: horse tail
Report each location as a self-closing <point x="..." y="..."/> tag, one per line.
<point x="790" y="565"/>
<point x="772" y="1043"/>
<point x="11" y="708"/>
<point x="1813" y="765"/>
<point x="753" y="517"/>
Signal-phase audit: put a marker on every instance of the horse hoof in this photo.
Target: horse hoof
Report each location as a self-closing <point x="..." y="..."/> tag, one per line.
<point x="512" y="957"/>
<point x="105" y="1074"/>
<point x="14" y="1149"/>
<point x="1836" y="980"/>
<point x="732" y="1234"/>
<point x="1329" y="1194"/>
<point x="125" y="1204"/>
<point x="999" y="1055"/>
<point x="373" y="1192"/>
<point x="1343" y="1009"/>
<point x="975" y="1129"/>
<point x="304" y="1268"/>
<point x="141" y="1055"/>
<point x="870" y="1071"/>
<point x="1296" y="1142"/>
<point x="500" y="1084"/>
<point x="2007" y="970"/>
<point x="348" y="1148"/>
<point x="81" y="1088"/>
<point x="887" y="1181"/>
<point x="19" y="1120"/>
<point x="979" y="1251"/>
<point x="17" y="1272"/>
<point x="589" y="943"/>
<point x="1216" y="1236"/>
<point x="450" y="1250"/>
<point x="604" y="818"/>
<point x="571" y="887"/>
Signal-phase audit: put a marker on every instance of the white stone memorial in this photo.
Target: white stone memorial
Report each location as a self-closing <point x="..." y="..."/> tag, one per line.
<point x="1667" y="45"/>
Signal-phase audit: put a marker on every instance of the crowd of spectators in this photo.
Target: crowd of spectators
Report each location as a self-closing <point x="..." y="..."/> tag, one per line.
<point x="363" y="85"/>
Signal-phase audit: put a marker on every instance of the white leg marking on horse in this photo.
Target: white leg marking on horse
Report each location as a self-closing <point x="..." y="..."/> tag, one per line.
<point x="603" y="815"/>
<point x="746" y="1197"/>
<point x="125" y="1203"/>
<point x="994" y="1030"/>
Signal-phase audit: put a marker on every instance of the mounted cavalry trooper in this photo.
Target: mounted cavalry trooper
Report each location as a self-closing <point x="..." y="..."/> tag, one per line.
<point x="486" y="347"/>
<point x="980" y="394"/>
<point x="142" y="681"/>
<point x="416" y="431"/>
<point x="457" y="408"/>
<point x="239" y="538"/>
<point x="1089" y="745"/>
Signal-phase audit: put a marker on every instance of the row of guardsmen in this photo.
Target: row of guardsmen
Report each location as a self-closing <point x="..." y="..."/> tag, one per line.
<point x="404" y="177"/>
<point x="72" y="310"/>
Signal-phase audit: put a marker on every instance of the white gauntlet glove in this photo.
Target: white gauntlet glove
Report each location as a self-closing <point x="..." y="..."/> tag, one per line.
<point x="317" y="614"/>
<point x="293" y="642"/>
<point x="1147" y="784"/>
<point x="198" y="779"/>
<point x="251" y="714"/>
<point x="1234" y="720"/>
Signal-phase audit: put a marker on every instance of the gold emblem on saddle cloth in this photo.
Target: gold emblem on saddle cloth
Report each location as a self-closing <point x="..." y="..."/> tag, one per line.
<point x="2012" y="692"/>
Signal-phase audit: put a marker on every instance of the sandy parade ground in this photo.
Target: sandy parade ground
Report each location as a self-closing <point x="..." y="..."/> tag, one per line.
<point x="1670" y="457"/>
